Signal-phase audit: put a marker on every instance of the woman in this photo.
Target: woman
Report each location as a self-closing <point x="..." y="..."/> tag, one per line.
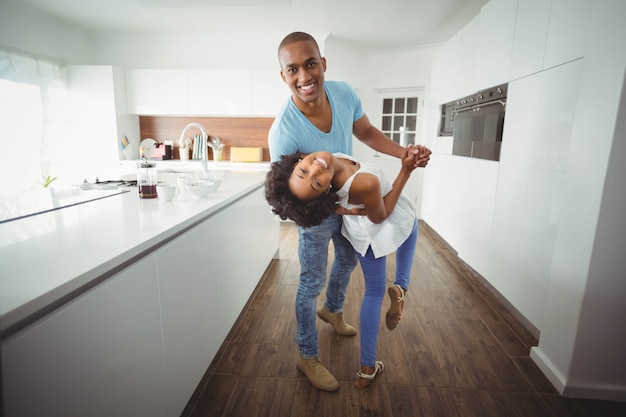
<point x="309" y="188"/>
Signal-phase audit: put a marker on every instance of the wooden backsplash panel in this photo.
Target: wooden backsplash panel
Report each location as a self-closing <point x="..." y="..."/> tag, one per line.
<point x="233" y="131"/>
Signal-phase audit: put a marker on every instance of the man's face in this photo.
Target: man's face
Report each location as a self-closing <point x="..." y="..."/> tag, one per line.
<point x="302" y="68"/>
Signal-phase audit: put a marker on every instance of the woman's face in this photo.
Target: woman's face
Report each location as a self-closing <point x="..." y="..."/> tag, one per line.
<point x="312" y="175"/>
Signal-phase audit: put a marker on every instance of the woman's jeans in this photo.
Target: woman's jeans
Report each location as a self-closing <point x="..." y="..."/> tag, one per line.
<point x="313" y="254"/>
<point x="375" y="274"/>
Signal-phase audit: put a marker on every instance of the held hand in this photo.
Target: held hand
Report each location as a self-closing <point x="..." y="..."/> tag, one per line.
<point x="421" y="155"/>
<point x="352" y="212"/>
<point x="408" y="159"/>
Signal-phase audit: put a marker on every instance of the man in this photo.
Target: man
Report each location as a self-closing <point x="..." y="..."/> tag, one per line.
<point x="321" y="116"/>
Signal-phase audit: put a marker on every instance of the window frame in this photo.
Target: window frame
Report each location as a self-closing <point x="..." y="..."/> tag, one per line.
<point x="413" y="135"/>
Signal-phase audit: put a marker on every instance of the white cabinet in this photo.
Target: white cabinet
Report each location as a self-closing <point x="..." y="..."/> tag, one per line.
<point x="220" y="92"/>
<point x="269" y="92"/>
<point x="157" y="92"/>
<point x="139" y="343"/>
<point x="189" y="287"/>
<point x="529" y="41"/>
<point x="206" y="276"/>
<point x="205" y="92"/>
<point x="445" y="75"/>
<point x="468" y="57"/>
<point x="495" y="43"/>
<point x="533" y="171"/>
<point x="245" y="258"/>
<point x="567" y="33"/>
<point x="100" y="355"/>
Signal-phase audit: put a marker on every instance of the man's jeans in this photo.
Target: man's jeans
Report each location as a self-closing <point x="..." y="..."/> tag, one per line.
<point x="313" y="254"/>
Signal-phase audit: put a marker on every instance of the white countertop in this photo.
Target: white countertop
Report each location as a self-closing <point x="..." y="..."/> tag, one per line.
<point x="47" y="256"/>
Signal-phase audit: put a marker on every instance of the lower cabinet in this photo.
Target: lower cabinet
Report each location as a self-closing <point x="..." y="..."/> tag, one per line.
<point x="99" y="355"/>
<point x="206" y="276"/>
<point x="139" y="343"/>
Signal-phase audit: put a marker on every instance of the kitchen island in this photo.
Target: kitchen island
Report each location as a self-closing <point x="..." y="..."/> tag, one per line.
<point x="118" y="306"/>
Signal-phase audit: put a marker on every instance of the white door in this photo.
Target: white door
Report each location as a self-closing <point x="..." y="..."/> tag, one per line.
<point x="399" y="115"/>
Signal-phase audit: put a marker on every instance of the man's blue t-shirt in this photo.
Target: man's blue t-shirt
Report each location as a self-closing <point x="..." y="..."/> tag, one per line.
<point x="293" y="132"/>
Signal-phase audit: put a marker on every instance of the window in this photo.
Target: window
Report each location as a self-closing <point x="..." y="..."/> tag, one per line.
<point x="400" y="114"/>
<point x="30" y="89"/>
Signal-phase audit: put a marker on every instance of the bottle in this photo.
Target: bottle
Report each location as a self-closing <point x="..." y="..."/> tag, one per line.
<point x="147" y="179"/>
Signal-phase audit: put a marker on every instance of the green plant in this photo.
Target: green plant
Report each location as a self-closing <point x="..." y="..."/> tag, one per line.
<point x="47" y="180"/>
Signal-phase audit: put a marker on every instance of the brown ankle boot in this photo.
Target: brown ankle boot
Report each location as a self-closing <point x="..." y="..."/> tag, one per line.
<point x="336" y="320"/>
<point x="319" y="376"/>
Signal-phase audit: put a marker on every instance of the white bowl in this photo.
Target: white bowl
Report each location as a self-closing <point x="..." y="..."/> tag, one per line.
<point x="201" y="189"/>
<point x="167" y="192"/>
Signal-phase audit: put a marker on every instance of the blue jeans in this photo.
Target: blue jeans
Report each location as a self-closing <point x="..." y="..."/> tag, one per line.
<point x="375" y="275"/>
<point x="313" y="254"/>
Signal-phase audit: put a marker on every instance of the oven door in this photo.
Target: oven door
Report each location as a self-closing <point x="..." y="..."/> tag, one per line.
<point x="478" y="131"/>
<point x="463" y="132"/>
<point x="488" y="127"/>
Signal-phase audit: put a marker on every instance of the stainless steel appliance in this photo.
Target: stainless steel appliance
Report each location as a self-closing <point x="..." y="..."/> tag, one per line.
<point x="479" y="122"/>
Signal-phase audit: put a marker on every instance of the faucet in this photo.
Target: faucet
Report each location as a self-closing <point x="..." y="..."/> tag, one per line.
<point x="205" y="156"/>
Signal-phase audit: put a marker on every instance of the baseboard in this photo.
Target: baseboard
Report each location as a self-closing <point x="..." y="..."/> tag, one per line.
<point x="572" y="389"/>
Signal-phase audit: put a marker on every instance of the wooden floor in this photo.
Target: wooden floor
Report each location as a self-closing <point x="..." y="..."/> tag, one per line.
<point x="457" y="352"/>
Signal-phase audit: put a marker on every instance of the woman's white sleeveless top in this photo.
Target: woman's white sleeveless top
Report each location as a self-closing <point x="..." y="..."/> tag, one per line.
<point x="386" y="237"/>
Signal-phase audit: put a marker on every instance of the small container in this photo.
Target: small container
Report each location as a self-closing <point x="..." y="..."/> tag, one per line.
<point x="147" y="179"/>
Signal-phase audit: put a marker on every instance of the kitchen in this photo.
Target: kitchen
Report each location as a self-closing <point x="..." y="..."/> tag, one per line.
<point x="520" y="223"/>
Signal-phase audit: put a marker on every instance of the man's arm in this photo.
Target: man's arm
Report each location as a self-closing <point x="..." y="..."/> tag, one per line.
<point x="370" y="135"/>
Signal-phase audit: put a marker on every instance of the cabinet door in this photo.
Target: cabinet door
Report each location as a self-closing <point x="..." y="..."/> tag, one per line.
<point x="100" y="355"/>
<point x="157" y="92"/>
<point x="217" y="92"/>
<point x="495" y="42"/>
<point x="567" y="32"/>
<point x="206" y="276"/>
<point x="529" y="41"/>
<point x="189" y="278"/>
<point x="248" y="245"/>
<point x="533" y="168"/>
<point x="269" y="92"/>
<point x="446" y="72"/>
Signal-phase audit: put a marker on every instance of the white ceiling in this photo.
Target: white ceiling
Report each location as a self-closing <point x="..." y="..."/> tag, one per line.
<point x="365" y="24"/>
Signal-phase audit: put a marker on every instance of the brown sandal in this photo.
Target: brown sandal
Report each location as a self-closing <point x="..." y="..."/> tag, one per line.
<point x="392" y="318"/>
<point x="363" y="380"/>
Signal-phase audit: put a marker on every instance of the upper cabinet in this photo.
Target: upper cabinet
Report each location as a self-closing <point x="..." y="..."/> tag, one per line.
<point x="529" y="41"/>
<point x="494" y="43"/>
<point x="156" y="92"/>
<point x="548" y="33"/>
<point x="205" y="92"/>
<point x="478" y="56"/>
<point x="220" y="92"/>
<point x="269" y="92"/>
<point x="567" y="31"/>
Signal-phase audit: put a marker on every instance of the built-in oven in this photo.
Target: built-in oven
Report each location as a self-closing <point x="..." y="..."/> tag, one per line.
<point x="479" y="123"/>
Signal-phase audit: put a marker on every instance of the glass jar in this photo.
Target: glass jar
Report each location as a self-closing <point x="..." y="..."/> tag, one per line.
<point x="147" y="179"/>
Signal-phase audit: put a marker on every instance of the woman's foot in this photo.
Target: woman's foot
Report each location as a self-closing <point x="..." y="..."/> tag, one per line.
<point x="392" y="318"/>
<point x="367" y="374"/>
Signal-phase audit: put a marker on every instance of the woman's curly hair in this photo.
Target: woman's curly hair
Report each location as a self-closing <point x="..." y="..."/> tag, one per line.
<point x="288" y="206"/>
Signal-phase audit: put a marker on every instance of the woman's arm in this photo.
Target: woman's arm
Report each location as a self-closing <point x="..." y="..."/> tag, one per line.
<point x="366" y="190"/>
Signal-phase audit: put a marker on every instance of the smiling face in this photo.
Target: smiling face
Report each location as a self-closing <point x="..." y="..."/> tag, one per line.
<point x="302" y="68"/>
<point x="312" y="175"/>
